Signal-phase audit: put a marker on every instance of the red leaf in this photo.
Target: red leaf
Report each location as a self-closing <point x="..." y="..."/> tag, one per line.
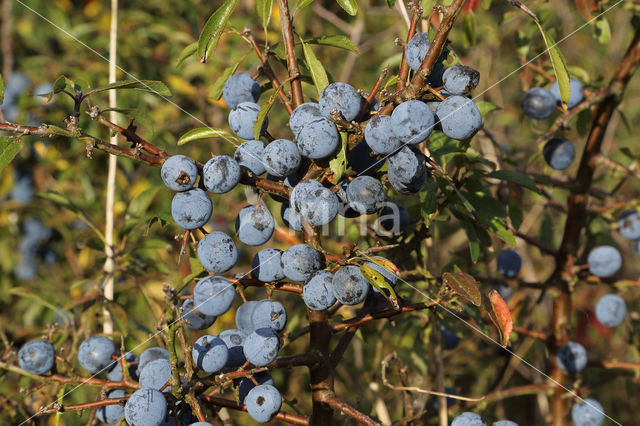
<point x="500" y="315"/>
<point x="586" y="8"/>
<point x="464" y="285"/>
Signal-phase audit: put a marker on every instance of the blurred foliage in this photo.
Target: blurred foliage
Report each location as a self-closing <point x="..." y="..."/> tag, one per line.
<point x="64" y="37"/>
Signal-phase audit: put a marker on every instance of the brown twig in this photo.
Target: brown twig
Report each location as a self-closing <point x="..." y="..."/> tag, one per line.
<point x="404" y="66"/>
<point x="290" y="48"/>
<point x="84" y="405"/>
<point x="342" y="407"/>
<point x="294" y="419"/>
<point x="130" y="134"/>
<point x="341" y="325"/>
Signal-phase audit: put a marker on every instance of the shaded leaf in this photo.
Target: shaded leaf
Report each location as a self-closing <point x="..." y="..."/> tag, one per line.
<point x="264" y="110"/>
<point x="23" y="292"/>
<point x="264" y="8"/>
<point x="318" y="74"/>
<point x="349" y="6"/>
<point x="152" y="86"/>
<point x="464" y="285"/>
<point x="340" y="41"/>
<point x="9" y="147"/>
<point x="203" y="133"/>
<point x="339" y="164"/>
<point x="186" y="53"/>
<point x="515" y="177"/>
<point x="212" y="30"/>
<point x="64" y="201"/>
<point x="141" y="203"/>
<point x="500" y="315"/>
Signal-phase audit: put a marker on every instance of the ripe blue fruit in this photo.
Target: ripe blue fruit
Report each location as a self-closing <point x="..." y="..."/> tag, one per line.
<point x="451" y="340"/>
<point x="509" y="263"/>
<point x="318" y="139"/>
<point x="246" y="384"/>
<point x="437" y="73"/>
<point x="344" y="208"/>
<point x="388" y="276"/>
<point x="459" y="117"/>
<point x="151" y="354"/>
<point x="575" y="95"/>
<point x="604" y="261"/>
<point x="343" y="97"/>
<point x="115" y="374"/>
<point x="290" y="217"/>
<point x="629" y="225"/>
<point x="587" y="413"/>
<point x="210" y="353"/>
<point x="350" y="287"/>
<point x="417" y="49"/>
<point x="36" y="357"/>
<point x="179" y="173"/>
<point x="365" y="194"/>
<point x="243" y="117"/>
<point x="319" y="206"/>
<point x="300" y="261"/>
<point x="95" y="354"/>
<point x="281" y="157"/>
<point x="213" y="295"/>
<point x="412" y="122"/>
<point x="302" y="115"/>
<point x="266" y="265"/>
<point x="240" y="88"/>
<point x="254" y="225"/>
<point x="191" y="209"/>
<point x="263" y="402"/>
<point x="468" y="419"/>
<point x="303" y="190"/>
<point x="379" y="135"/>
<point x="538" y="103"/>
<point x="249" y="156"/>
<point x="408" y="188"/>
<point x="145" y="407"/>
<point x="217" y="252"/>
<point x="407" y="165"/>
<point x="571" y="357"/>
<point x="393" y="218"/>
<point x="505" y="423"/>
<point x="611" y="310"/>
<point x="243" y="316"/>
<point x="111" y="414"/>
<point x="269" y="313"/>
<point x="234" y="339"/>
<point x="559" y="153"/>
<point x="261" y="346"/>
<point x="460" y="79"/>
<point x="363" y="160"/>
<point x="221" y="174"/>
<point x="197" y="320"/>
<point x="317" y="292"/>
<point x="155" y="375"/>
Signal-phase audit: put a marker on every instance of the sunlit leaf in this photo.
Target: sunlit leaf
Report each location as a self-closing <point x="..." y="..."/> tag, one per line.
<point x="264" y="8"/>
<point x="464" y="285"/>
<point x="186" y="53"/>
<point x="216" y="89"/>
<point x="500" y="315"/>
<point x="318" y="74"/>
<point x="204" y="133"/>
<point x="304" y="3"/>
<point x="157" y="87"/>
<point x="339" y="164"/>
<point x="376" y="279"/>
<point x="264" y="110"/>
<point x="9" y="147"/>
<point x="558" y="63"/>
<point x="340" y="41"/>
<point x="349" y="6"/>
<point x="213" y="29"/>
<point x="602" y="30"/>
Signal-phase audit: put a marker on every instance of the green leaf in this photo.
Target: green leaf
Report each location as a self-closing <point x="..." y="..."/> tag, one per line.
<point x="60" y="84"/>
<point x="64" y="201"/>
<point x="515" y="177"/>
<point x="140" y="204"/>
<point x="486" y="107"/>
<point x="558" y="63"/>
<point x="264" y="11"/>
<point x="9" y="147"/>
<point x="186" y="53"/>
<point x="212" y="30"/>
<point x="203" y="133"/>
<point x="602" y="30"/>
<point x="157" y="87"/>
<point x="22" y="292"/>
<point x="464" y="285"/>
<point x="391" y="3"/>
<point x="216" y="90"/>
<point x="350" y="6"/>
<point x="304" y="3"/>
<point x="377" y="280"/>
<point x="339" y="164"/>
<point x="340" y="41"/>
<point x="499" y="229"/>
<point x="264" y="110"/>
<point x="318" y="74"/>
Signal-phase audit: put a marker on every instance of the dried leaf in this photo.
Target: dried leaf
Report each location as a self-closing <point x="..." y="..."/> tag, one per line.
<point x="500" y="315"/>
<point x="464" y="285"/>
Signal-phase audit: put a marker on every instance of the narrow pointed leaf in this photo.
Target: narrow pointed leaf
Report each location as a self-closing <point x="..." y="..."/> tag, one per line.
<point x="264" y="8"/>
<point x="338" y="164"/>
<point x="264" y="110"/>
<point x="340" y="41"/>
<point x="213" y="29"/>
<point x="386" y="264"/>
<point x="318" y="74"/>
<point x="9" y="147"/>
<point x="500" y="315"/>
<point x="157" y="87"/>
<point x="464" y="285"/>
<point x="204" y="133"/>
<point x="377" y="280"/>
<point x="515" y="177"/>
<point x="186" y="53"/>
<point x="304" y="3"/>
<point x="216" y="90"/>
<point x="349" y="6"/>
<point x="558" y="63"/>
